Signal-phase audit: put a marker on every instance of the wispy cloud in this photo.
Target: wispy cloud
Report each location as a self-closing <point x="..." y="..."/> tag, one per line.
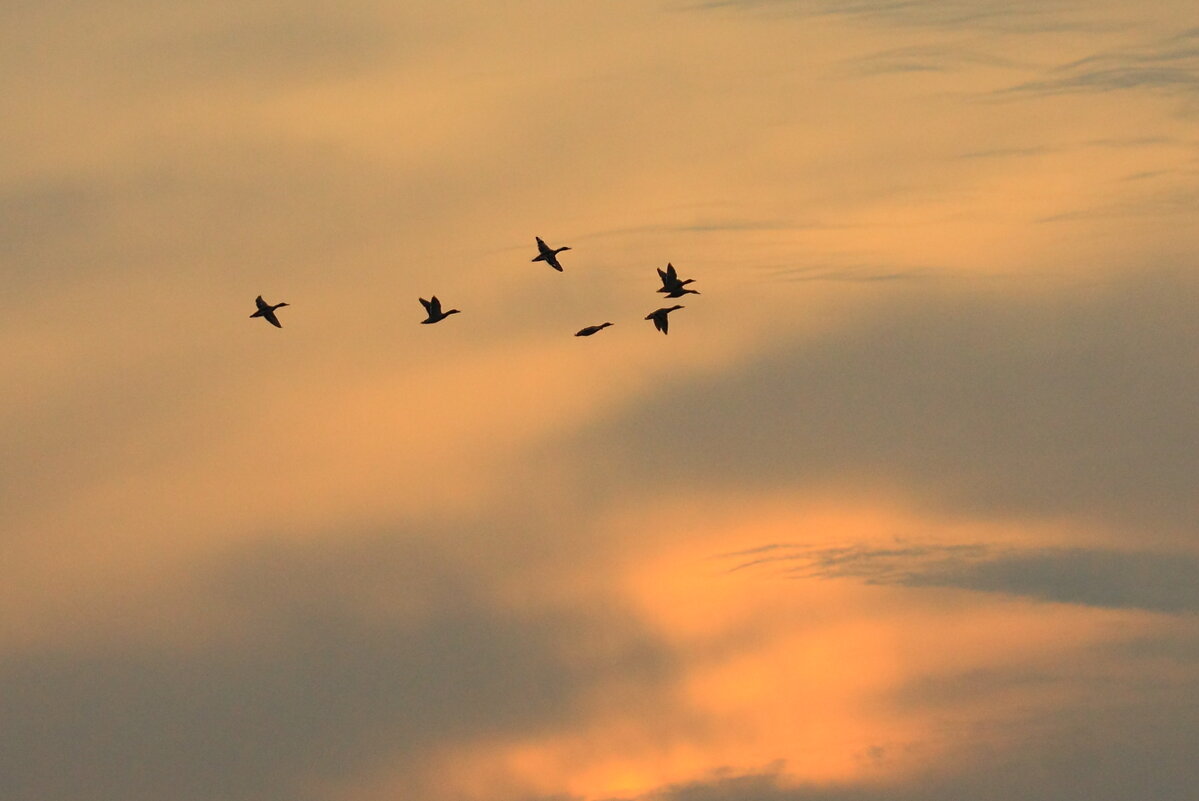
<point x="999" y="14"/>
<point x="1169" y="65"/>
<point x="923" y="58"/>
<point x="1162" y="582"/>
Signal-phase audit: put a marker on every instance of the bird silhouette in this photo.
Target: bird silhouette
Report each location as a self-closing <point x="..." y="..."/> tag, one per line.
<point x="548" y="255"/>
<point x="267" y="311"/>
<point x="680" y="290"/>
<point x="433" y="308"/>
<point x="591" y="329"/>
<point x="659" y="317"/>
<point x="671" y="282"/>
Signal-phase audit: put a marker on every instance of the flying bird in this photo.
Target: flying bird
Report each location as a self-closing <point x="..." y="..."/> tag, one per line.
<point x="548" y="255"/>
<point x="591" y="329"/>
<point x="680" y="290"/>
<point x="433" y="308"/>
<point x="671" y="282"/>
<point x="659" y="317"/>
<point x="268" y="311"/>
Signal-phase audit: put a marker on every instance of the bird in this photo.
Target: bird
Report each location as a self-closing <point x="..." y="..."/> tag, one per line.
<point x="591" y="329"/>
<point x="671" y="282"/>
<point x="659" y="317"/>
<point x="680" y="290"/>
<point x="267" y="311"/>
<point x="433" y="308"/>
<point x="548" y="255"/>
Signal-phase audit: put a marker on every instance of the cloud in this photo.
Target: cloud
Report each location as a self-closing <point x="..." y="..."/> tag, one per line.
<point x="1168" y="65"/>
<point x="1109" y="754"/>
<point x="922" y="58"/>
<point x="1159" y="582"/>
<point x="991" y="14"/>
<point x="324" y="662"/>
<point x="1079" y="404"/>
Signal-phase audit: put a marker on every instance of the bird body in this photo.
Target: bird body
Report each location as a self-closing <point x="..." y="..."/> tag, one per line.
<point x="433" y="309"/>
<point x="678" y="285"/>
<point x="548" y="255"/>
<point x="672" y="285"/>
<point x="267" y="311"/>
<point x="591" y="329"/>
<point x="659" y="317"/>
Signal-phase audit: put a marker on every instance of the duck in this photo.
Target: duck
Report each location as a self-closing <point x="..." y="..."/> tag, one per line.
<point x="548" y="255"/>
<point x="659" y="317"/>
<point x="433" y="308"/>
<point x="591" y="329"/>
<point x="671" y="282"/>
<point x="680" y="290"/>
<point x="267" y="311"/>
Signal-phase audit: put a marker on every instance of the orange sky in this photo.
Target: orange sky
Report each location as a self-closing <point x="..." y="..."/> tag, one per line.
<point x="902" y="507"/>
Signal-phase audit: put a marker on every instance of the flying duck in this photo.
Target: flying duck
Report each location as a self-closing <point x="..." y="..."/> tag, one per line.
<point x="659" y="317"/>
<point x="671" y="282"/>
<point x="548" y="255"/>
<point x="267" y="311"/>
<point x="591" y="329"/>
<point x="433" y="308"/>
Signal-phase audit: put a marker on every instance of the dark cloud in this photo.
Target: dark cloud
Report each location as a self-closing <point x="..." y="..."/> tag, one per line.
<point x="1160" y="582"/>
<point x="1156" y="202"/>
<point x="1168" y="65"/>
<point x="1079" y="404"/>
<point x="1123" y="742"/>
<point x="1104" y="754"/>
<point x="922" y="58"/>
<point x="996" y="14"/>
<point x="327" y="661"/>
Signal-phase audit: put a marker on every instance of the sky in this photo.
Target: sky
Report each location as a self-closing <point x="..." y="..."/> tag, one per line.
<point x="902" y="509"/>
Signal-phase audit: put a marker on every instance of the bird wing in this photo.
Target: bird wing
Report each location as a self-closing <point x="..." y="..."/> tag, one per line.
<point x="428" y="306"/>
<point x="262" y="304"/>
<point x="541" y="246"/>
<point x="269" y="315"/>
<point x="434" y="306"/>
<point x="670" y="272"/>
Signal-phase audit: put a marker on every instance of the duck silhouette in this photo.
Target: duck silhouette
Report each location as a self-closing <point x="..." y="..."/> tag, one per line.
<point x="548" y="255"/>
<point x="671" y="282"/>
<point x="433" y="308"/>
<point x="591" y="329"/>
<point x="267" y="311"/>
<point x="659" y="317"/>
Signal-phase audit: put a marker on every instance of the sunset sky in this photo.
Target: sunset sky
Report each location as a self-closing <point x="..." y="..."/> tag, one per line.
<point x="904" y="508"/>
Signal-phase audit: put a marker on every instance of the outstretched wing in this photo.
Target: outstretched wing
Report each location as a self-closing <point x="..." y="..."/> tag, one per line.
<point x="428" y="306"/>
<point x="434" y="306"/>
<point x="261" y="304"/>
<point x="269" y="314"/>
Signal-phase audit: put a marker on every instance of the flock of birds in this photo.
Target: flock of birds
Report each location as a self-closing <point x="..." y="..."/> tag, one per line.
<point x="672" y="287"/>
